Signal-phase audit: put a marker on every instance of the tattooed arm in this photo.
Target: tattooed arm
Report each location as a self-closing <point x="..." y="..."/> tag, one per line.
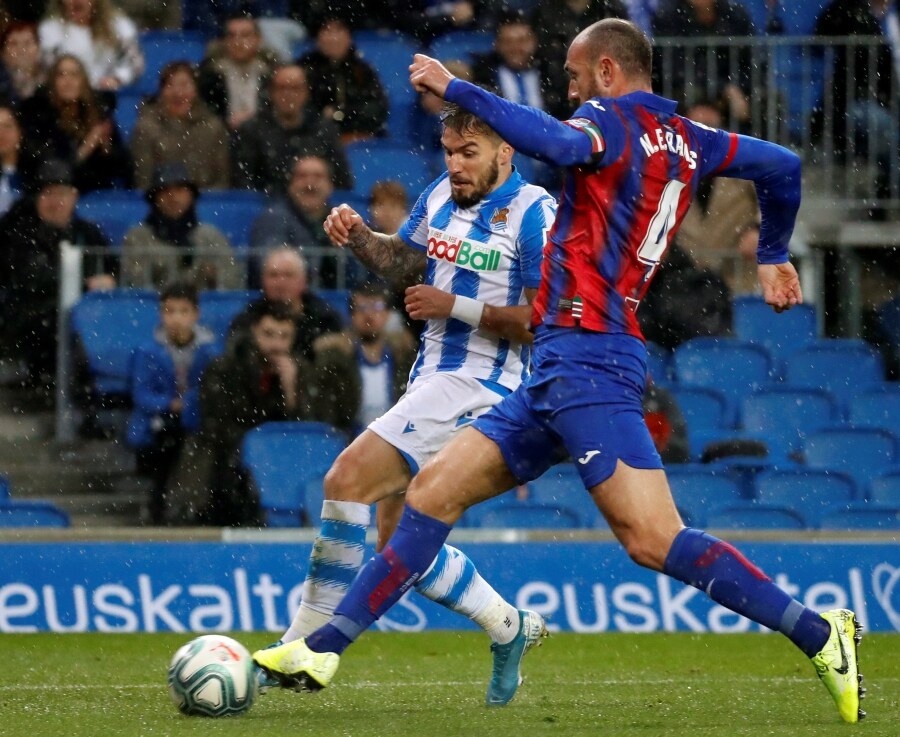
<point x="386" y="255"/>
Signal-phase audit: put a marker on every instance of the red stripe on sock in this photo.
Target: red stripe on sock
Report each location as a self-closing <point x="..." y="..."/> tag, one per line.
<point x="718" y="549"/>
<point x="396" y="577"/>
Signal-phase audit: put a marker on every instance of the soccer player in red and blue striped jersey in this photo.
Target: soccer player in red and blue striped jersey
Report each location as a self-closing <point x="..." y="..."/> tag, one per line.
<point x="633" y="166"/>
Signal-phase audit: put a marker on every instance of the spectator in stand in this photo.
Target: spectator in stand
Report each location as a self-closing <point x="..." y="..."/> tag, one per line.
<point x="153" y="15"/>
<point x="642" y="12"/>
<point x="344" y="88"/>
<point x="266" y="145"/>
<point x="427" y="128"/>
<point x="179" y="127"/>
<point x="296" y="220"/>
<point x="171" y="244"/>
<point x="165" y="379"/>
<point x="715" y="72"/>
<point x="428" y="19"/>
<point x="284" y="280"/>
<point x="21" y="70"/>
<point x="856" y="103"/>
<point x="66" y="119"/>
<point x="236" y="70"/>
<point x="718" y="230"/>
<point x="388" y="206"/>
<point x="10" y="146"/>
<point x="102" y="37"/>
<point x="366" y="359"/>
<point x="31" y="234"/>
<point x="512" y="70"/>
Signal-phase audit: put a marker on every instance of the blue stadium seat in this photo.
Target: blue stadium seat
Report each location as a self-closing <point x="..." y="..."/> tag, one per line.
<point x="753" y="516"/>
<point x="15" y="513"/>
<point x="116" y="211"/>
<point x="697" y="489"/>
<point x="731" y="366"/>
<point x="339" y="300"/>
<point x="218" y="308"/>
<point x="281" y="457"/>
<point x="887" y="319"/>
<point x="864" y="517"/>
<point x="231" y="211"/>
<point x="562" y="486"/>
<point x="4" y="489"/>
<point x="780" y="334"/>
<point x="128" y="105"/>
<point x="811" y="493"/>
<point x="391" y="53"/>
<point x="788" y="415"/>
<point x="839" y="365"/>
<point x="861" y="452"/>
<point x="162" y="47"/>
<point x="659" y="364"/>
<point x="705" y="412"/>
<point x="885" y="488"/>
<point x="462" y="45"/>
<point x="878" y="406"/>
<point x="525" y="515"/>
<point x="110" y="325"/>
<point x="378" y="160"/>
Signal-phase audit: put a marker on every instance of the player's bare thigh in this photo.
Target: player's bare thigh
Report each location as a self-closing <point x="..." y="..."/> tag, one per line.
<point x="368" y="470"/>
<point x="637" y="503"/>
<point x="466" y="471"/>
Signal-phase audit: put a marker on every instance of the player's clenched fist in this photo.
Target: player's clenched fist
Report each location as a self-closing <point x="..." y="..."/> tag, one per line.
<point x="341" y="222"/>
<point x="429" y="75"/>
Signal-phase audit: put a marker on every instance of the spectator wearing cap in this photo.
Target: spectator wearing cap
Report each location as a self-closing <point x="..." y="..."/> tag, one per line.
<point x="172" y="245"/>
<point x="31" y="234"/>
<point x="21" y="70"/>
<point x="10" y="145"/>
<point x="179" y="127"/>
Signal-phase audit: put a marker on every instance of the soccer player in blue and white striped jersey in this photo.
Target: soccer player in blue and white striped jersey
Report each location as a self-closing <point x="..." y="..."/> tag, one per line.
<point x="477" y="232"/>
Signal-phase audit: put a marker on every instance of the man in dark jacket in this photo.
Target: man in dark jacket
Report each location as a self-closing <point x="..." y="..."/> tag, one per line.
<point x="265" y="145"/>
<point x="31" y="234"/>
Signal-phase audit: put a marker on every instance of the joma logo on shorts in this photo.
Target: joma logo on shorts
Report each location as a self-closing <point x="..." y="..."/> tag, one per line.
<point x="462" y="252"/>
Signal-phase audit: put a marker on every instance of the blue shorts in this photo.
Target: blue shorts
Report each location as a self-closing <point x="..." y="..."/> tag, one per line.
<point x="582" y="399"/>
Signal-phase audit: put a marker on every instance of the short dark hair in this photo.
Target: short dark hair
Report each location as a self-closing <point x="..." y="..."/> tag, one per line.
<point x="460" y="121"/>
<point x="368" y="289"/>
<point x="623" y="41"/>
<point x="173" y="67"/>
<point x="180" y="290"/>
<point x="278" y="311"/>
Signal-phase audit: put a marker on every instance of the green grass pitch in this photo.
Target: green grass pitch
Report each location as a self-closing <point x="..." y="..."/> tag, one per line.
<point x="433" y="684"/>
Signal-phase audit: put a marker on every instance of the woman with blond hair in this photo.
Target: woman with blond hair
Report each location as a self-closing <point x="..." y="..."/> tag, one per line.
<point x="102" y="37"/>
<point x="65" y="120"/>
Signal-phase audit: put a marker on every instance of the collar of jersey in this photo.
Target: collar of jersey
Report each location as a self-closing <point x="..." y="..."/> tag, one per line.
<point x="648" y="99"/>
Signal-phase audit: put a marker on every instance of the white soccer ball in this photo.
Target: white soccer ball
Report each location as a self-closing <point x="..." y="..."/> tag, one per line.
<point x="212" y="676"/>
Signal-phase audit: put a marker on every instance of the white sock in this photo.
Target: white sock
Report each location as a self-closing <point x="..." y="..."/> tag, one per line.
<point x="453" y="582"/>
<point x="336" y="558"/>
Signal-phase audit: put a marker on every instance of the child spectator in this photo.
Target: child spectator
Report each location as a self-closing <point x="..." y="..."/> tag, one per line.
<point x="165" y="380"/>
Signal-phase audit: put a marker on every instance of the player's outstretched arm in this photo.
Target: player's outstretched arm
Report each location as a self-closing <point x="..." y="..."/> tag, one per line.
<point x="425" y="302"/>
<point x="386" y="255"/>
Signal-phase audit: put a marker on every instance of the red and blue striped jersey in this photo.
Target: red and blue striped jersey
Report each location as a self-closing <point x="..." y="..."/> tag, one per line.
<point x="616" y="217"/>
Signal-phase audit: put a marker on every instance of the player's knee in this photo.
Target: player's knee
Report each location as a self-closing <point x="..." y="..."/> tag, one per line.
<point x="343" y="482"/>
<point x="644" y="550"/>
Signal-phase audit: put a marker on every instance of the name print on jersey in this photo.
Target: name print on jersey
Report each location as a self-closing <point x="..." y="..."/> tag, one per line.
<point x="669" y="141"/>
<point x="462" y="252"/>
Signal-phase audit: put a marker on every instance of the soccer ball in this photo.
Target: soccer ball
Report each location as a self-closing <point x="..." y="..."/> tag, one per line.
<point x="212" y="676"/>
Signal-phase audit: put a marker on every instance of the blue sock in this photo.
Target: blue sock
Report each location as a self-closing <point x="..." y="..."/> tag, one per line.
<point x="384" y="579"/>
<point x="729" y="579"/>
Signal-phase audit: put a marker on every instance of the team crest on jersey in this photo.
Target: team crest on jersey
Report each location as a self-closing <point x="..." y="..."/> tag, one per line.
<point x="500" y="218"/>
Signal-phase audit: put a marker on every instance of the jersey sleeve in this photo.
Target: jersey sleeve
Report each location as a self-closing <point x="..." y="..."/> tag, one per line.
<point x="600" y="123"/>
<point x="532" y="236"/>
<point x="414" y="232"/>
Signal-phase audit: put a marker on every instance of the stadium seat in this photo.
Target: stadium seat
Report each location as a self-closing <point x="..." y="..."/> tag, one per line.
<point x="863" y="517"/>
<point x="659" y="364"/>
<point x="788" y="415"/>
<point x="218" y="308"/>
<point x="699" y="488"/>
<point x="339" y="300"/>
<point x="31" y="514"/>
<point x="887" y="320"/>
<point x="109" y="326"/>
<point x="780" y="334"/>
<point x="281" y="457"/>
<point x="562" y="486"/>
<point x="128" y="106"/>
<point x="885" y="488"/>
<point x="878" y="406"/>
<point x="752" y="516"/>
<point x="861" y="452"/>
<point x="705" y="412"/>
<point x="811" y="493"/>
<point x="391" y="53"/>
<point x="842" y="366"/>
<point x="461" y="45"/>
<point x="4" y="489"/>
<point x="378" y="160"/>
<point x="231" y="211"/>
<point x="161" y="48"/>
<point x="731" y="366"/>
<point x="526" y="515"/>
<point x="116" y="211"/>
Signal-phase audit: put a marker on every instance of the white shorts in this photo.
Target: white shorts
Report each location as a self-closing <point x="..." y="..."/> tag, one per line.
<point x="431" y="412"/>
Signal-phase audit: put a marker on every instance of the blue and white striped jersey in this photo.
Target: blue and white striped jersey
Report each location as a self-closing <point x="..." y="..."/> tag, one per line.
<point x="490" y="252"/>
